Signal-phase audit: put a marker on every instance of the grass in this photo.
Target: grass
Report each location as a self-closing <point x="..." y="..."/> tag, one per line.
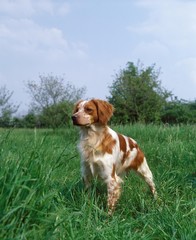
<point x="42" y="197"/>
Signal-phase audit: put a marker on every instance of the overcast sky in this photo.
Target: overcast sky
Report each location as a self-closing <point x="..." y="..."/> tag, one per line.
<point x="88" y="41"/>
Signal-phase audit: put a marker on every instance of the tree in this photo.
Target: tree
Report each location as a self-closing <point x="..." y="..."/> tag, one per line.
<point x="61" y="112"/>
<point x="7" y="109"/>
<point x="52" y="99"/>
<point x="51" y="90"/>
<point x="137" y="94"/>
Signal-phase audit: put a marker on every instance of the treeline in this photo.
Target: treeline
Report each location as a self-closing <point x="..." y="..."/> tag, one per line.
<point x="136" y="93"/>
<point x="138" y="96"/>
<point x="52" y="101"/>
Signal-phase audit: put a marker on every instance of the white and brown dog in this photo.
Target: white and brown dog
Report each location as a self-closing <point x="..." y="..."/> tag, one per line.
<point x="105" y="153"/>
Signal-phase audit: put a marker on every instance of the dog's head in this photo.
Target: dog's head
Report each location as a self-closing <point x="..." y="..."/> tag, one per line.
<point x="91" y="112"/>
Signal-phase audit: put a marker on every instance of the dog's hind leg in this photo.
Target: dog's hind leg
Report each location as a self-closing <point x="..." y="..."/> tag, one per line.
<point x="145" y="172"/>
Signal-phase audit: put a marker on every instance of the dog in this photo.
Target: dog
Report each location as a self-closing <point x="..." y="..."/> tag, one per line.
<point x="105" y="153"/>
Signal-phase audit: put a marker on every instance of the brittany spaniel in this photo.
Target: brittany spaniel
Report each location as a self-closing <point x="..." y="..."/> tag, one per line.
<point x="105" y="153"/>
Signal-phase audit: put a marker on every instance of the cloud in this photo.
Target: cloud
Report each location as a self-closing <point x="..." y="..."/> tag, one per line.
<point x="172" y="22"/>
<point x="21" y="8"/>
<point x="64" y="9"/>
<point x="28" y="8"/>
<point x="24" y="36"/>
<point x="168" y="27"/>
<point x="20" y="33"/>
<point x="17" y="7"/>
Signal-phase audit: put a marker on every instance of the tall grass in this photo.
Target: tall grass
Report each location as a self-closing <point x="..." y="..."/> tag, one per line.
<point x="42" y="197"/>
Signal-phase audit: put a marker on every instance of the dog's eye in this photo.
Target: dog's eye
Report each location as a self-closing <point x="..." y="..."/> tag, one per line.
<point x="89" y="110"/>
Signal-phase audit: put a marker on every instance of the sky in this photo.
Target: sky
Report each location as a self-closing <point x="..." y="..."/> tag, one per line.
<point x="89" y="41"/>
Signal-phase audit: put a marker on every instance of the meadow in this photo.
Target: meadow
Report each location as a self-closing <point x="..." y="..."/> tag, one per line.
<point x="42" y="196"/>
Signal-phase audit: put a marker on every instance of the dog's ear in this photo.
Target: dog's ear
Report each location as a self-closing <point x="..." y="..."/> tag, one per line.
<point x="104" y="110"/>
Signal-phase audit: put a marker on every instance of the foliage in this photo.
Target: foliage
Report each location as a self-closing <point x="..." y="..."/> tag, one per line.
<point x="61" y="112"/>
<point x="52" y="100"/>
<point x="50" y="91"/>
<point x="6" y="107"/>
<point x="42" y="197"/>
<point x="137" y="94"/>
<point x="179" y="111"/>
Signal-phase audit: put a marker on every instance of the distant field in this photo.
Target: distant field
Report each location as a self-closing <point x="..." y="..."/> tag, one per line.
<point x="42" y="197"/>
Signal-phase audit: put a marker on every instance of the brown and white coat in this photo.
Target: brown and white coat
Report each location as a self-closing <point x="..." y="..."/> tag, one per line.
<point x="105" y="153"/>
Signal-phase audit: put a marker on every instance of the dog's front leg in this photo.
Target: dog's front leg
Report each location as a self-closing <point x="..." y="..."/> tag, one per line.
<point x="114" y="190"/>
<point x="86" y="175"/>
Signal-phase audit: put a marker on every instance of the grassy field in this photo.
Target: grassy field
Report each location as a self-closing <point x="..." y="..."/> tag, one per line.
<point x="42" y="197"/>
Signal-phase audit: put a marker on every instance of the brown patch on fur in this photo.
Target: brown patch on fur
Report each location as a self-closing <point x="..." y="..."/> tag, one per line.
<point x="125" y="156"/>
<point x="123" y="147"/>
<point x="137" y="161"/>
<point x="104" y="110"/>
<point x="91" y="109"/>
<point x="132" y="144"/>
<point x="113" y="171"/>
<point x="107" y="143"/>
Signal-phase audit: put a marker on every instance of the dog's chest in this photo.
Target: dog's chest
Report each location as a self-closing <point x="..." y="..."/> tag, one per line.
<point x="90" y="152"/>
<point x="93" y="156"/>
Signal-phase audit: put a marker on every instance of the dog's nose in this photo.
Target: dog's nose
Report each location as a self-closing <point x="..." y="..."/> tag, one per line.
<point x="73" y="118"/>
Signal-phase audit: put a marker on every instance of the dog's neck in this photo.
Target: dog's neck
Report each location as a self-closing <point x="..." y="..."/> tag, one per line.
<point x="96" y="129"/>
<point x="93" y="134"/>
